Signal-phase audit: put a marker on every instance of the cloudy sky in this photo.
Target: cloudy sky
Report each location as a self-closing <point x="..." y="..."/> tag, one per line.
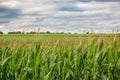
<point x="60" y="15"/>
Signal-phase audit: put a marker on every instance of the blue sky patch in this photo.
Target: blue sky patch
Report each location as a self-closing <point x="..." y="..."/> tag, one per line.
<point x="71" y="9"/>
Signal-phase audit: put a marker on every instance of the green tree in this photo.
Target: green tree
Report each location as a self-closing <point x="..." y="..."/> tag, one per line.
<point x="18" y="32"/>
<point x="11" y="32"/>
<point x="48" y="32"/>
<point x="1" y="32"/>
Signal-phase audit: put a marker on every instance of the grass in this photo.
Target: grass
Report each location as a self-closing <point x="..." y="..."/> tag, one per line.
<point x="59" y="57"/>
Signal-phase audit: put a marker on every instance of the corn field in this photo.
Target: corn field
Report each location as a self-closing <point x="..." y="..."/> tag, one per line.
<point x="62" y="59"/>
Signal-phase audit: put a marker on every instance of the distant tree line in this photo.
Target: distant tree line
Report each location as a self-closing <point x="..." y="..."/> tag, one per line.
<point x="33" y="32"/>
<point x="17" y="32"/>
<point x="47" y="32"/>
<point x="1" y="32"/>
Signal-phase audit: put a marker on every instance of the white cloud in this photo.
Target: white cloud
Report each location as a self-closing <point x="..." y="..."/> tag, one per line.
<point x="10" y="4"/>
<point x="2" y="26"/>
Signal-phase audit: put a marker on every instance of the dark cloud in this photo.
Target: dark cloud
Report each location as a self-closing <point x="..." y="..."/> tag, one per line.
<point x="7" y="13"/>
<point x="85" y="0"/>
